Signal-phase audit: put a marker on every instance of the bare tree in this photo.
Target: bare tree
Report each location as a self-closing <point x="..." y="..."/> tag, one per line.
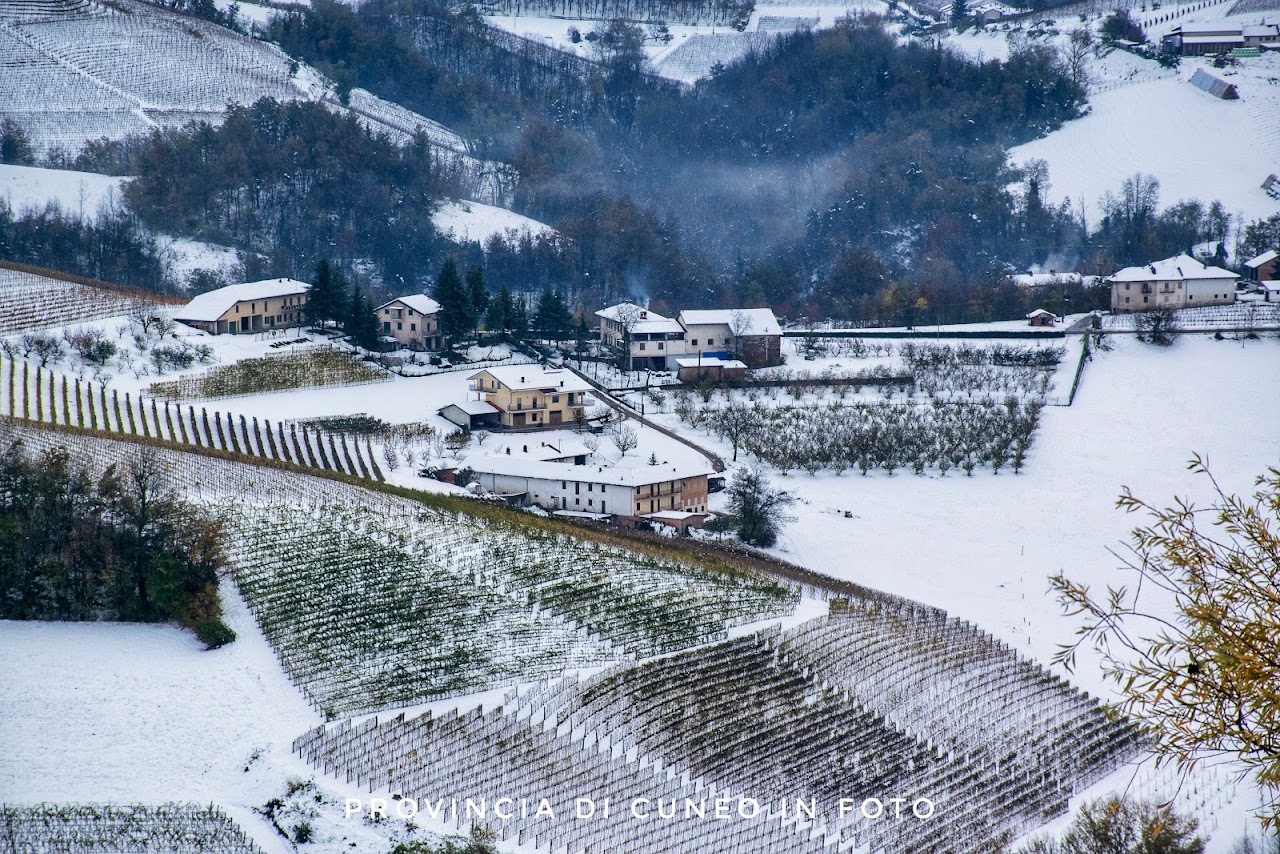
<point x="740" y="324"/>
<point x="626" y="438"/>
<point x="627" y="317"/>
<point x="734" y="423"/>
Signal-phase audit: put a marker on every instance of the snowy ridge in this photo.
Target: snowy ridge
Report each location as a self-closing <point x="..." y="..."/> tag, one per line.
<point x="79" y="72"/>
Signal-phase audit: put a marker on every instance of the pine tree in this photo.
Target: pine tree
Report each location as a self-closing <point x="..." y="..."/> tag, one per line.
<point x="319" y="305"/>
<point x="498" y="318"/>
<point x="553" y="319"/>
<point x="479" y="295"/>
<point x="361" y="323"/>
<point x="518" y="320"/>
<point x="455" y="303"/>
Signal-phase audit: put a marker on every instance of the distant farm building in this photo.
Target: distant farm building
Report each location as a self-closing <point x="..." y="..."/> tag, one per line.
<point x="691" y="369"/>
<point x="650" y="338"/>
<point x="411" y="321"/>
<point x="752" y="335"/>
<point x="1263" y="268"/>
<point x="1215" y="86"/>
<point x="1178" y="282"/>
<point x="247" y="308"/>
<point x="628" y="495"/>
<point x="1041" y="317"/>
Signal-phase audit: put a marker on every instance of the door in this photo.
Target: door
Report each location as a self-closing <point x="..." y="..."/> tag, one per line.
<point x="557" y="417"/>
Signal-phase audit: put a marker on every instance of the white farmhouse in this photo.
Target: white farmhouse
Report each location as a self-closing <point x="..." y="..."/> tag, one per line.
<point x="1178" y="282"/>
<point x="653" y="342"/>
<point x="627" y="494"/>
<point x="246" y="308"/>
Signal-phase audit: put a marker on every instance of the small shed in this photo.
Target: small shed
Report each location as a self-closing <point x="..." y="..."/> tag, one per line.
<point x="681" y="520"/>
<point x="716" y="369"/>
<point x="1271" y="292"/>
<point x="470" y="414"/>
<point x="1040" y="317"/>
<point x="1215" y="86"/>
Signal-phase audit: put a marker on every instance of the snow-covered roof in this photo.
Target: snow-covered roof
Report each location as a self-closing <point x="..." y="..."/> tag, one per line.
<point x="709" y="362"/>
<point x="608" y="475"/>
<point x="744" y="321"/>
<point x="538" y="449"/>
<point x="1031" y="280"/>
<point x="1040" y="312"/>
<point x="674" y="515"/>
<point x="1258" y="261"/>
<point x="473" y="407"/>
<point x="1270" y="287"/>
<point x="211" y="305"/>
<point x="1180" y="267"/>
<point x="1260" y="31"/>
<point x="421" y="303"/>
<point x="536" y="377"/>
<point x="645" y="320"/>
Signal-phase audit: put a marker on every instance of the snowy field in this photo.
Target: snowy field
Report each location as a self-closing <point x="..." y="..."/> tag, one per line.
<point x="80" y="194"/>
<point x="1143" y="118"/>
<point x="466" y="222"/>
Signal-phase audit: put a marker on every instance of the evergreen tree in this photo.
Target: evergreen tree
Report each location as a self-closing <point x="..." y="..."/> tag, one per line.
<point x="518" y="322"/>
<point x="479" y="295"/>
<point x="498" y="318"/>
<point x="756" y="509"/>
<point x="552" y="319"/>
<point x="320" y="298"/>
<point x="361" y="323"/>
<point x="959" y="11"/>
<point x="455" y="303"/>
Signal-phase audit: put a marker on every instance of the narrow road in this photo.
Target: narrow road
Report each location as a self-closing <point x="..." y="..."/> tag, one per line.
<point x="625" y="411"/>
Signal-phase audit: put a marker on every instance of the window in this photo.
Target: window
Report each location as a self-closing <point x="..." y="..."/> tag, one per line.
<point x="694" y="342"/>
<point x="555" y="398"/>
<point x="564" y="485"/>
<point x="591" y="487"/>
<point x="413" y="327"/>
<point x="399" y="326"/>
<point x="641" y="345"/>
<point x="661" y="346"/>
<point x="387" y="311"/>
<point x="711" y="342"/>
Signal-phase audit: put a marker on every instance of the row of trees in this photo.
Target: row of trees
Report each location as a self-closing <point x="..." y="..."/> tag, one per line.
<point x="115" y="545"/>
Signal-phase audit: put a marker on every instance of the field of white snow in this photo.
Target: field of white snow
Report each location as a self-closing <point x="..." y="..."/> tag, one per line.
<point x="475" y="222"/>
<point x="1146" y="119"/>
<point x="80" y="194"/>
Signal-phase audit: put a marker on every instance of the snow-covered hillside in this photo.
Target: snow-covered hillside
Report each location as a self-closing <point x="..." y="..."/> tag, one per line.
<point x="80" y="194"/>
<point x="1198" y="146"/>
<point x="75" y="72"/>
<point x="1146" y="119"/>
<point x="476" y="222"/>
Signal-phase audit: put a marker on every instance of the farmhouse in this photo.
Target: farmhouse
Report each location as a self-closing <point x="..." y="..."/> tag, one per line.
<point x="626" y="494"/>
<point x="1201" y="39"/>
<point x="1178" y="282"/>
<point x="1262" y="268"/>
<point x="652" y="341"/>
<point x="752" y="335"/>
<point x="249" y="307"/>
<point x="521" y="397"/>
<point x="411" y="321"/>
